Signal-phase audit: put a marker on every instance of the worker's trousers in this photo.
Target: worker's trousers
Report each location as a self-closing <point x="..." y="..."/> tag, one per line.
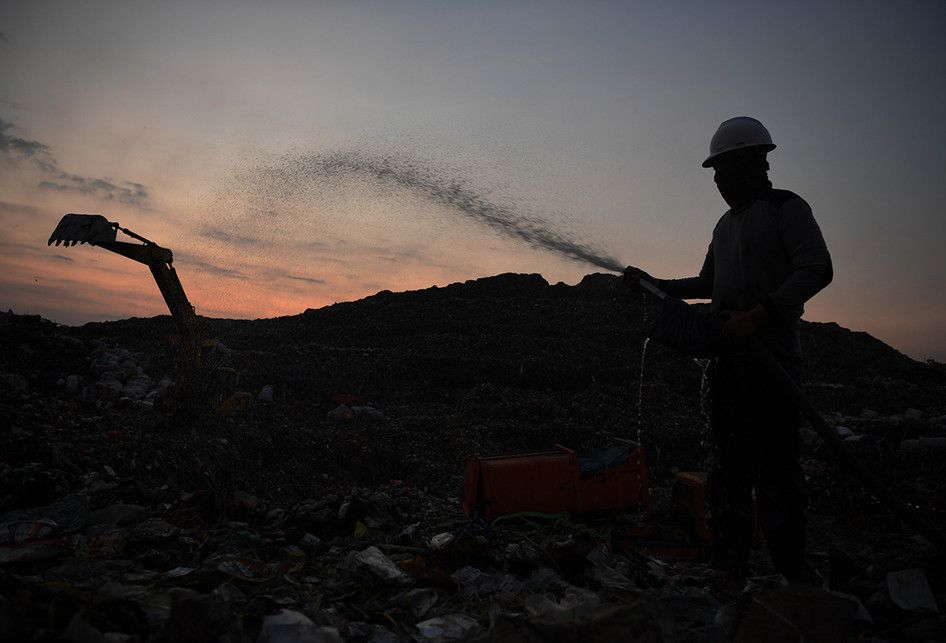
<point x="755" y="426"/>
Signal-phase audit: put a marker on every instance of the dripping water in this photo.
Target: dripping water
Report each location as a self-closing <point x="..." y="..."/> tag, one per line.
<point x="640" y="383"/>
<point x="705" y="442"/>
<point x="640" y="395"/>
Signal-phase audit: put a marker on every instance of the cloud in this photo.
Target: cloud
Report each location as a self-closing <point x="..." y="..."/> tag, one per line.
<point x="18" y="208"/>
<point x="322" y="245"/>
<point x="40" y="156"/>
<point x="126" y="192"/>
<point x="14" y="249"/>
<point x="192" y="262"/>
<point x="308" y="280"/>
<point x="219" y="234"/>
<point x="3" y="38"/>
<point x="17" y="148"/>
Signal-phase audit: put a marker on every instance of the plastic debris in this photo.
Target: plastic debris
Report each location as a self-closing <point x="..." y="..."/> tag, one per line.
<point x="118" y="524"/>
<point x="605" y="569"/>
<point x="910" y="590"/>
<point x="419" y="600"/>
<point x="473" y="582"/>
<point x="381" y="566"/>
<point x="440" y="541"/>
<point x="453" y="627"/>
<point x="923" y="445"/>
<point x="844" y="433"/>
<point x="341" y="413"/>
<point x="61" y="517"/>
<point x="22" y="531"/>
<point x="573" y="603"/>
<point x="153" y="529"/>
<point x="289" y="626"/>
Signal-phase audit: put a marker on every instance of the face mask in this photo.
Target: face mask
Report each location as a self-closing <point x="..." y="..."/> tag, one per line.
<point x="738" y="185"/>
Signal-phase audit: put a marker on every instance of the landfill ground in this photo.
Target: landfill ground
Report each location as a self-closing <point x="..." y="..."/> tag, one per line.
<point x="329" y="508"/>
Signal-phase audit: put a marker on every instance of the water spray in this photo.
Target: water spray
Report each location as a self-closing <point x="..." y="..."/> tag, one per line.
<point x="440" y="186"/>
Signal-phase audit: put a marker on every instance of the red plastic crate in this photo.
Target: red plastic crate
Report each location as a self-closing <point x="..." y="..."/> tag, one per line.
<point x="551" y="482"/>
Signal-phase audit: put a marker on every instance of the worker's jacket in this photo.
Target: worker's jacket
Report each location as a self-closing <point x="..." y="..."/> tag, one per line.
<point x="769" y="251"/>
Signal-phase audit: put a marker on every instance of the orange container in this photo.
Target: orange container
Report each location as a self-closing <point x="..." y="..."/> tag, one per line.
<point x="685" y="535"/>
<point x="551" y="482"/>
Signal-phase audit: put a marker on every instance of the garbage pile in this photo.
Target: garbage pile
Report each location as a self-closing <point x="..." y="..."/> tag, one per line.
<point x="117" y="562"/>
<point x="329" y="510"/>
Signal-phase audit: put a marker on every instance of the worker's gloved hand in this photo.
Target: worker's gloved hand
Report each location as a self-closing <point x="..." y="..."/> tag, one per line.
<point x="633" y="275"/>
<point x="744" y="323"/>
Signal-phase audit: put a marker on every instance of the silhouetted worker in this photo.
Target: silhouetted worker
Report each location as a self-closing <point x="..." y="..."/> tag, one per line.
<point x="766" y="259"/>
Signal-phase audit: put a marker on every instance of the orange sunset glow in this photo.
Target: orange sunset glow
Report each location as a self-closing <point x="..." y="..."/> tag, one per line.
<point x="201" y="127"/>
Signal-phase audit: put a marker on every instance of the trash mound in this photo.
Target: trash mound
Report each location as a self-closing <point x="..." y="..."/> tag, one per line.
<point x="326" y="505"/>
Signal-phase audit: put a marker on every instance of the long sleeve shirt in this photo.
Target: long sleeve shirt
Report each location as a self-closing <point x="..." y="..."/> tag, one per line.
<point x="769" y="251"/>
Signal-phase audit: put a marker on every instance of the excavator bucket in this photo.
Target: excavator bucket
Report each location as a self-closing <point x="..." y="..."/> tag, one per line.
<point x="83" y="228"/>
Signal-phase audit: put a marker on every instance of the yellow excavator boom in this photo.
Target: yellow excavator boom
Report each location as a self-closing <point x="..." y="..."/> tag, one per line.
<point x="96" y="230"/>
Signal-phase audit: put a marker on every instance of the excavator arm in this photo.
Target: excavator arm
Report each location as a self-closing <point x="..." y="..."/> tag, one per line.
<point x="96" y="230"/>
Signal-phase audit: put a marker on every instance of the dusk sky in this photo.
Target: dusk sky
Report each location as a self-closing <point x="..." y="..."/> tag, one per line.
<point x="202" y="125"/>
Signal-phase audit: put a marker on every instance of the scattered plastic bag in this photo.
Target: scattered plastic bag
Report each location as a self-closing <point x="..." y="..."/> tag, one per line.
<point x="440" y="541"/>
<point x="473" y="582"/>
<point x="61" y="517"/>
<point x="419" y="601"/>
<point x="453" y="627"/>
<point x="24" y="531"/>
<point x="152" y="530"/>
<point x="381" y="566"/>
<point x="759" y="583"/>
<point x="575" y="601"/>
<point x="246" y="569"/>
<point x="289" y="626"/>
<point x="177" y="572"/>
<point x="604" y="569"/>
<point x="910" y="590"/>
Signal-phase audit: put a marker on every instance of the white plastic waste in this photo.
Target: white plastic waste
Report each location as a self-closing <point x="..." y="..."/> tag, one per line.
<point x="382" y="567"/>
<point x="910" y="590"/>
<point x="289" y="626"/>
<point x="452" y="627"/>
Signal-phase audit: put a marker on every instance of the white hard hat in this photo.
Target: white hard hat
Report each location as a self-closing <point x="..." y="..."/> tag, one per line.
<point x="738" y="133"/>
